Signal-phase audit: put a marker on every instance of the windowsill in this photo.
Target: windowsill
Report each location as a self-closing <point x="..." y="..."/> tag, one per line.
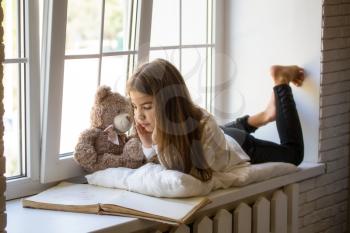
<point x="31" y="220"/>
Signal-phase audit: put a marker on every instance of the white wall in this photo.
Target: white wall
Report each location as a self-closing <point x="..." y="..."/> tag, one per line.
<point x="257" y="34"/>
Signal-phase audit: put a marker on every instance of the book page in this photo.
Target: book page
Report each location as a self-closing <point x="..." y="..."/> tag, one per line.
<point x="171" y="208"/>
<point x="89" y="198"/>
<point x="75" y="194"/>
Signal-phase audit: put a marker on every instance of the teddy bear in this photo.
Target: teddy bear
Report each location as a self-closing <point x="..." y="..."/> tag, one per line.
<point x="105" y="144"/>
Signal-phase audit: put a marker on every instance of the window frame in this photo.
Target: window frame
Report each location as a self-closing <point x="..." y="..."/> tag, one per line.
<point x="54" y="167"/>
<point x="42" y="86"/>
<point x="15" y="187"/>
<point x="54" y="34"/>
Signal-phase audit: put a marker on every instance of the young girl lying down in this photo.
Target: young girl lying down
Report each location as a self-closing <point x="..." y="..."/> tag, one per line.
<point x="186" y="138"/>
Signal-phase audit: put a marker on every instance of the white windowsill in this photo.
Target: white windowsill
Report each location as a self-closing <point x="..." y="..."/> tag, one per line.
<point x="33" y="220"/>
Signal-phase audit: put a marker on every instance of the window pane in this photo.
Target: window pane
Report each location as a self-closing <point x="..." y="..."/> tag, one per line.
<point x="194" y="21"/>
<point x="11" y="118"/>
<point x="114" y="73"/>
<point x="165" y="23"/>
<point x="80" y="81"/>
<point x="116" y="25"/>
<point x="83" y="26"/>
<point x="172" y="55"/>
<point x="194" y="71"/>
<point x="10" y="24"/>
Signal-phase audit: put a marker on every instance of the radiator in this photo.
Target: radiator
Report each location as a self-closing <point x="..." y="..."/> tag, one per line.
<point x="276" y="212"/>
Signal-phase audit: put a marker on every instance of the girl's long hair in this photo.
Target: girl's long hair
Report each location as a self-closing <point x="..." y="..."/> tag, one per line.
<point x="178" y="128"/>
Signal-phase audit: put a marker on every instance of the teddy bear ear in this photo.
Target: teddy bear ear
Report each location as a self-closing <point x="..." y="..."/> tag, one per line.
<point x="101" y="93"/>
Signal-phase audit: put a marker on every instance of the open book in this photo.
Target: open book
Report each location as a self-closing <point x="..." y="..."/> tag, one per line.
<point x="88" y="198"/>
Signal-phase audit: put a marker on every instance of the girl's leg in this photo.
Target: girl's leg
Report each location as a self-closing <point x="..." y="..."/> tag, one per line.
<point x="291" y="148"/>
<point x="242" y="126"/>
<point x="251" y="123"/>
<point x="264" y="117"/>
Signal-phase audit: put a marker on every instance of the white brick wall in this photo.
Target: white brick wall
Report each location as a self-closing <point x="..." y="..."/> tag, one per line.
<point x="324" y="199"/>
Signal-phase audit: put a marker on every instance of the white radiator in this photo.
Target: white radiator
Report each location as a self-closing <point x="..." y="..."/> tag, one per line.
<point x="276" y="213"/>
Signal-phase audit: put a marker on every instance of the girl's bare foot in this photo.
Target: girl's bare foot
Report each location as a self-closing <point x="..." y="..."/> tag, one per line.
<point x="286" y="74"/>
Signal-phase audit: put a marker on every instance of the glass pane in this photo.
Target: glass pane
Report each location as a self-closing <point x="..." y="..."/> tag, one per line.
<point x="10" y="25"/>
<point x="114" y="73"/>
<point x="194" y="71"/>
<point x="83" y="26"/>
<point x="11" y="118"/>
<point x="80" y="81"/>
<point x="194" y="21"/>
<point x="117" y="25"/>
<point x="165" y="23"/>
<point x="172" y="55"/>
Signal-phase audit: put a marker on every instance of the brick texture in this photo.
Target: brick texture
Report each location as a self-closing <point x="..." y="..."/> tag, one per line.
<point x="3" y="220"/>
<point x="323" y="206"/>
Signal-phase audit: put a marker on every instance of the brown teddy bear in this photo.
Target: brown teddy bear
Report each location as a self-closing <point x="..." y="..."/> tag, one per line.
<point x="105" y="143"/>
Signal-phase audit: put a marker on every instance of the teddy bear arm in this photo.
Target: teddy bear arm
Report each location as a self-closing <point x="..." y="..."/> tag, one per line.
<point x="85" y="153"/>
<point x="134" y="163"/>
<point x="108" y="160"/>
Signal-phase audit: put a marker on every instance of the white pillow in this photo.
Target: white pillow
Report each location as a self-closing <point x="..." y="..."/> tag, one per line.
<point x="245" y="175"/>
<point x="150" y="179"/>
<point x="155" y="180"/>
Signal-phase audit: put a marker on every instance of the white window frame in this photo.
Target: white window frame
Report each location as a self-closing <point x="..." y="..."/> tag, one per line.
<point x="54" y="167"/>
<point x="30" y="184"/>
<point x="52" y="72"/>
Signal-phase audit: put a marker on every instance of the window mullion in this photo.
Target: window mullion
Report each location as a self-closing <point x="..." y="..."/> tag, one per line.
<point x="101" y="42"/>
<point x="145" y="22"/>
<point x="212" y="50"/>
<point x="52" y="167"/>
<point x="132" y="37"/>
<point x="206" y="58"/>
<point x="32" y="85"/>
<point x="220" y="50"/>
<point x="19" y="26"/>
<point x="22" y="91"/>
<point x="180" y="35"/>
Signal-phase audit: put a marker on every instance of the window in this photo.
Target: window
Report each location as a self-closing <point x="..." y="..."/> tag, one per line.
<point x="188" y="42"/>
<point x="94" y="42"/>
<point x="15" y="61"/>
<point x="21" y="91"/>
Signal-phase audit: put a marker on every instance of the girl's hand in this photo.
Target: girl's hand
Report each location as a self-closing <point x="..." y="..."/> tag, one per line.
<point x="154" y="134"/>
<point x="145" y="137"/>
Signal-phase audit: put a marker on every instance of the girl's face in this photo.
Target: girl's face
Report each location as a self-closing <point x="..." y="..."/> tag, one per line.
<point x="143" y="110"/>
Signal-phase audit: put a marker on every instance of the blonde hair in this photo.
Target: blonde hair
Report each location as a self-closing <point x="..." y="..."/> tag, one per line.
<point x="178" y="127"/>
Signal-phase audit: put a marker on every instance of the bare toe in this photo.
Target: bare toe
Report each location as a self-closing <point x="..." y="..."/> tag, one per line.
<point x="299" y="77"/>
<point x="286" y="74"/>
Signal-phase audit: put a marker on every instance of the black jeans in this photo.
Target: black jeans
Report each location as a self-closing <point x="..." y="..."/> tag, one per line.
<point x="291" y="147"/>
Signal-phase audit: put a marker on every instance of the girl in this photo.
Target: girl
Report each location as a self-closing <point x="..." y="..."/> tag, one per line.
<point x="186" y="137"/>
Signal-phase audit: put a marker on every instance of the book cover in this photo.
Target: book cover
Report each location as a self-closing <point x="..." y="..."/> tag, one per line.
<point x="86" y="198"/>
